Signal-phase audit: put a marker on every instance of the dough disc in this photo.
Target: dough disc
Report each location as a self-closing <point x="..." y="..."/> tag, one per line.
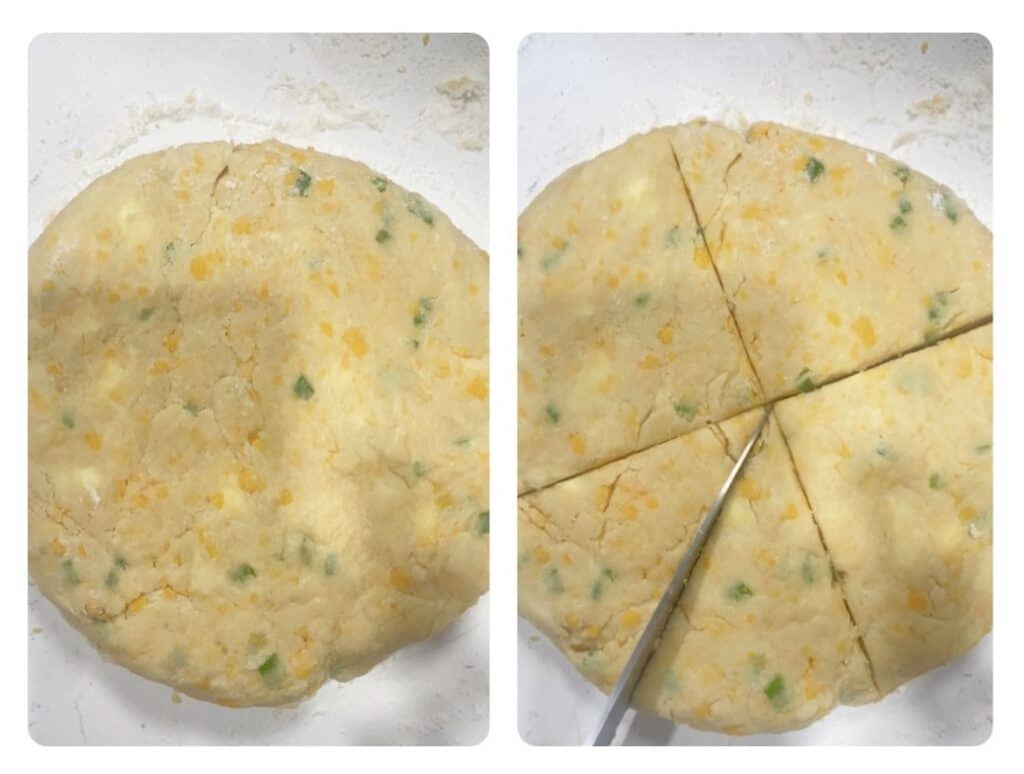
<point x="258" y="419"/>
<point x="668" y="288"/>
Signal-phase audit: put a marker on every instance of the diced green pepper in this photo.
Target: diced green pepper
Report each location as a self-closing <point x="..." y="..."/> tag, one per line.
<point x="302" y="388"/>
<point x="739" y="591"/>
<point x="379" y="182"/>
<point x="68" y="420"/>
<point x="242" y="573"/>
<point x="271" y="670"/>
<point x="306" y="551"/>
<point x="685" y="410"/>
<point x="943" y="201"/>
<point x="553" y="580"/>
<point x="420" y="209"/>
<point x="597" y="590"/>
<point x="901" y="173"/>
<point x="302" y="182"/>
<point x="642" y="300"/>
<point x="553" y="413"/>
<point x="331" y="564"/>
<point x="553" y="257"/>
<point x="67" y="568"/>
<point x="775" y="691"/>
<point x="419" y="469"/>
<point x="938" y="306"/>
<point x="905" y="206"/>
<point x="483" y="523"/>
<point x="423" y="311"/>
<point x="807" y="571"/>
<point x="114" y="575"/>
<point x="673" y="237"/>
<point x="383" y="235"/>
<point x="804" y="382"/>
<point x="670" y="681"/>
<point x="898" y="223"/>
<point x="191" y="408"/>
<point x="591" y="661"/>
<point x="935" y="481"/>
<point x="814" y="169"/>
<point x="146" y="313"/>
<point x="176" y="659"/>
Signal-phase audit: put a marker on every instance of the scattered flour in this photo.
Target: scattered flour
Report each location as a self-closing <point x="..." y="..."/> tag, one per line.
<point x="458" y="112"/>
<point x="948" y="105"/>
<point x="903" y="138"/>
<point x="936" y="105"/>
<point x="301" y="110"/>
<point x="335" y="111"/>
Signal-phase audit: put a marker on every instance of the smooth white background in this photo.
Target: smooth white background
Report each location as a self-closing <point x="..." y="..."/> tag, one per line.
<point x="582" y="94"/>
<point x="504" y="26"/>
<point x="95" y="101"/>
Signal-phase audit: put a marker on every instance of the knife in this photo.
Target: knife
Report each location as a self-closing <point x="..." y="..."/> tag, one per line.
<point x="622" y="693"/>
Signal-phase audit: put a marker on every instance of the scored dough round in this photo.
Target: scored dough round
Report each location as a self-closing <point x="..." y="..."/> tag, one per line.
<point x="258" y="419"/>
<point x="668" y="288"/>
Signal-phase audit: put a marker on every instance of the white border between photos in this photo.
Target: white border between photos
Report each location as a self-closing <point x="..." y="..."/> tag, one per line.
<point x="503" y="26"/>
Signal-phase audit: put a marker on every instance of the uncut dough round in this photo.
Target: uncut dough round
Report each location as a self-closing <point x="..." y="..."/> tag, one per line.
<point x="258" y="419"/>
<point x="854" y="552"/>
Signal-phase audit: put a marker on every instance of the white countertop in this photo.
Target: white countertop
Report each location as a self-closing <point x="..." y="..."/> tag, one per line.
<point x="414" y="108"/>
<point x="929" y="105"/>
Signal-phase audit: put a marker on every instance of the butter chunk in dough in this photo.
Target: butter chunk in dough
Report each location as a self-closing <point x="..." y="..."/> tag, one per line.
<point x="904" y="499"/>
<point x="835" y="257"/>
<point x="258" y="419"/>
<point x="625" y="337"/>
<point x="761" y="640"/>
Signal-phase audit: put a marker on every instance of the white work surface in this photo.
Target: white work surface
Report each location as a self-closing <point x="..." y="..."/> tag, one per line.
<point x="928" y="105"/>
<point x="413" y="107"/>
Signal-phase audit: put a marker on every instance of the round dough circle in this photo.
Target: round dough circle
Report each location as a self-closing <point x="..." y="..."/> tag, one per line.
<point x="668" y="288"/>
<point x="258" y="419"/>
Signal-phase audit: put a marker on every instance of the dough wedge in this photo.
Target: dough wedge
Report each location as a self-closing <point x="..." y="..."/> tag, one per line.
<point x="625" y="337"/>
<point x="761" y="640"/>
<point x="904" y="499"/>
